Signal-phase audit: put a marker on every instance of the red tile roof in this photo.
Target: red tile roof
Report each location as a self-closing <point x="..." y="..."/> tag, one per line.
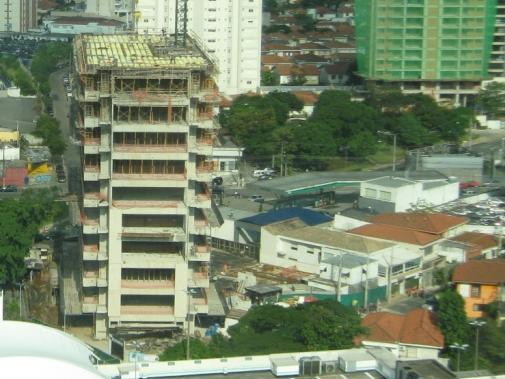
<point x="395" y="233"/>
<point x="480" y="271"/>
<point x="274" y="59"/>
<point x="481" y="240"/>
<point x="417" y="327"/>
<point x="435" y="223"/>
<point x="306" y="97"/>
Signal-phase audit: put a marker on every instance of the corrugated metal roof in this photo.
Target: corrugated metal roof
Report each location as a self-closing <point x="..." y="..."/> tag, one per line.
<point x="308" y="216"/>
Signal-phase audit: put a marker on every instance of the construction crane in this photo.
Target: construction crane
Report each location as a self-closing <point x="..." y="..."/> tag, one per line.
<point x="181" y="22"/>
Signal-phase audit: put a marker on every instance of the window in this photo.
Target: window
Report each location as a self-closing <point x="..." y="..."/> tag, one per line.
<point x="295" y="248"/>
<point x="478" y="307"/>
<point x="475" y="290"/>
<point x="370" y="192"/>
<point x="293" y="259"/>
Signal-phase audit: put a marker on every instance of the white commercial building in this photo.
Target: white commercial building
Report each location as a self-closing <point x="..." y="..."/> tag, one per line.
<point x="391" y="194"/>
<point x="147" y="126"/>
<point x="230" y="31"/>
<point x="335" y="256"/>
<point x="122" y="9"/>
<point x="18" y="15"/>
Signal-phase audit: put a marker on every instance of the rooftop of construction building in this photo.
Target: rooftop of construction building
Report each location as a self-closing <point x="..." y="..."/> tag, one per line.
<point x="130" y="51"/>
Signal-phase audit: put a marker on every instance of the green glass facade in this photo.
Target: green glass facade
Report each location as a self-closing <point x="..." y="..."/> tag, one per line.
<point x="424" y="39"/>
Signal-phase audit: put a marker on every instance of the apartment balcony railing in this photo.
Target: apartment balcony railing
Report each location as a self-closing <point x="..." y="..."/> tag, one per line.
<point x="174" y="204"/>
<point x="143" y="176"/>
<point x="147" y="284"/>
<point x="147" y="310"/>
<point x="198" y="279"/>
<point x="200" y="253"/>
<point x="93" y="253"/>
<point x="174" y="148"/>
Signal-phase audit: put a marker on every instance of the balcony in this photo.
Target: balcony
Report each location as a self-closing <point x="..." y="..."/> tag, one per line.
<point x="179" y="148"/>
<point x="147" y="287"/>
<point x="175" y="177"/>
<point x="91" y="145"/>
<point x="198" y="279"/>
<point x="206" y="121"/>
<point x="90" y="225"/>
<point x="199" y="253"/>
<point x="91" y="172"/>
<point x="92" y="253"/>
<point x="92" y="279"/>
<point x="202" y="146"/>
<point x="153" y="98"/>
<point x="175" y="234"/>
<point x="204" y="171"/>
<point x="162" y="205"/>
<point x="90" y="304"/>
<point x="202" y="200"/>
<point x="200" y="305"/>
<point x="200" y="227"/>
<point x="161" y="310"/>
<point x="150" y="260"/>
<point x="91" y="95"/>
<point x="162" y="126"/>
<point x="91" y="199"/>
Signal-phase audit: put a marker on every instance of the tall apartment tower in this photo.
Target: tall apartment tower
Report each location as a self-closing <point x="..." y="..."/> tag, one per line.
<point x="146" y="118"/>
<point x="438" y="47"/>
<point x="497" y="63"/>
<point x="18" y="15"/>
<point x="229" y="30"/>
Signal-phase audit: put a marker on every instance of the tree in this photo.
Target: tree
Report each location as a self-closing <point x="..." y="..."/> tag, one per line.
<point x="269" y="329"/>
<point x="491" y="100"/>
<point x="452" y="317"/>
<point x="332" y="326"/>
<point x="48" y="128"/>
<point x="306" y="22"/>
<point x="270" y="78"/>
<point x="20" y="222"/>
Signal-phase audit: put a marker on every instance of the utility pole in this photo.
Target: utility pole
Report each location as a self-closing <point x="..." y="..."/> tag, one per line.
<point x="365" y="303"/>
<point x="477" y="325"/>
<point x="282" y="159"/>
<point x="188" y="355"/>
<point x="339" y="279"/>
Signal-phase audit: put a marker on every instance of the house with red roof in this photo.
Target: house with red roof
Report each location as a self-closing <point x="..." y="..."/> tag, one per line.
<point x="480" y="282"/>
<point x="414" y="335"/>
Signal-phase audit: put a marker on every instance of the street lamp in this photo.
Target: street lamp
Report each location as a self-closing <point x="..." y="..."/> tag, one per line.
<point x="189" y="292"/>
<point x="387" y="133"/>
<point x="20" y="299"/>
<point x="477" y="324"/>
<point x="459" y="348"/>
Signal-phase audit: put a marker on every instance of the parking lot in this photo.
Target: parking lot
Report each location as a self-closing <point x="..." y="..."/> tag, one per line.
<point x="489" y="212"/>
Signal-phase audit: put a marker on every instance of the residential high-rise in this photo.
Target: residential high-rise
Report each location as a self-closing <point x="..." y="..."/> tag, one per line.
<point x="146" y="117"/>
<point x="497" y="63"/>
<point x="229" y="30"/>
<point x="18" y="15"/>
<point x="437" y="47"/>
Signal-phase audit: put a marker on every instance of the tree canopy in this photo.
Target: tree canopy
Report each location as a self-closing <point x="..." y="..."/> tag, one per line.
<point x="452" y="317"/>
<point x="491" y="100"/>
<point x="339" y="126"/>
<point x="48" y="128"/>
<point x="21" y="219"/>
<point x="272" y="329"/>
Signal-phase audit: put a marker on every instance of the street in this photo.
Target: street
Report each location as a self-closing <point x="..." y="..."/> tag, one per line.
<point x="72" y="155"/>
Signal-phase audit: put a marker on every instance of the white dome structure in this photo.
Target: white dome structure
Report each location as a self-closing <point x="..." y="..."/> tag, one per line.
<point x="30" y="350"/>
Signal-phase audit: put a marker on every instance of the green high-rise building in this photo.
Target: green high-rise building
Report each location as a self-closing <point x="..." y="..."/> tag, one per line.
<point x="424" y="40"/>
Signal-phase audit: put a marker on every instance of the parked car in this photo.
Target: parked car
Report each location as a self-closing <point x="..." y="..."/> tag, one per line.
<point x="62" y="178"/>
<point x="257" y="198"/>
<point x="10" y="188"/>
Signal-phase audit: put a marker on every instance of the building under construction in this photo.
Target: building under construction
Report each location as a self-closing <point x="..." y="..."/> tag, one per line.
<point x="440" y="48"/>
<point x="146" y="118"/>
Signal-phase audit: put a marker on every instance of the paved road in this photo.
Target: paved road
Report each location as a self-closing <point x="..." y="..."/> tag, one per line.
<point x="72" y="156"/>
<point x="403" y="304"/>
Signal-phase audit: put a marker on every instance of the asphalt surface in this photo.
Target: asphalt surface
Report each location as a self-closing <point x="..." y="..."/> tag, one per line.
<point x="18" y="112"/>
<point x="72" y="156"/>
